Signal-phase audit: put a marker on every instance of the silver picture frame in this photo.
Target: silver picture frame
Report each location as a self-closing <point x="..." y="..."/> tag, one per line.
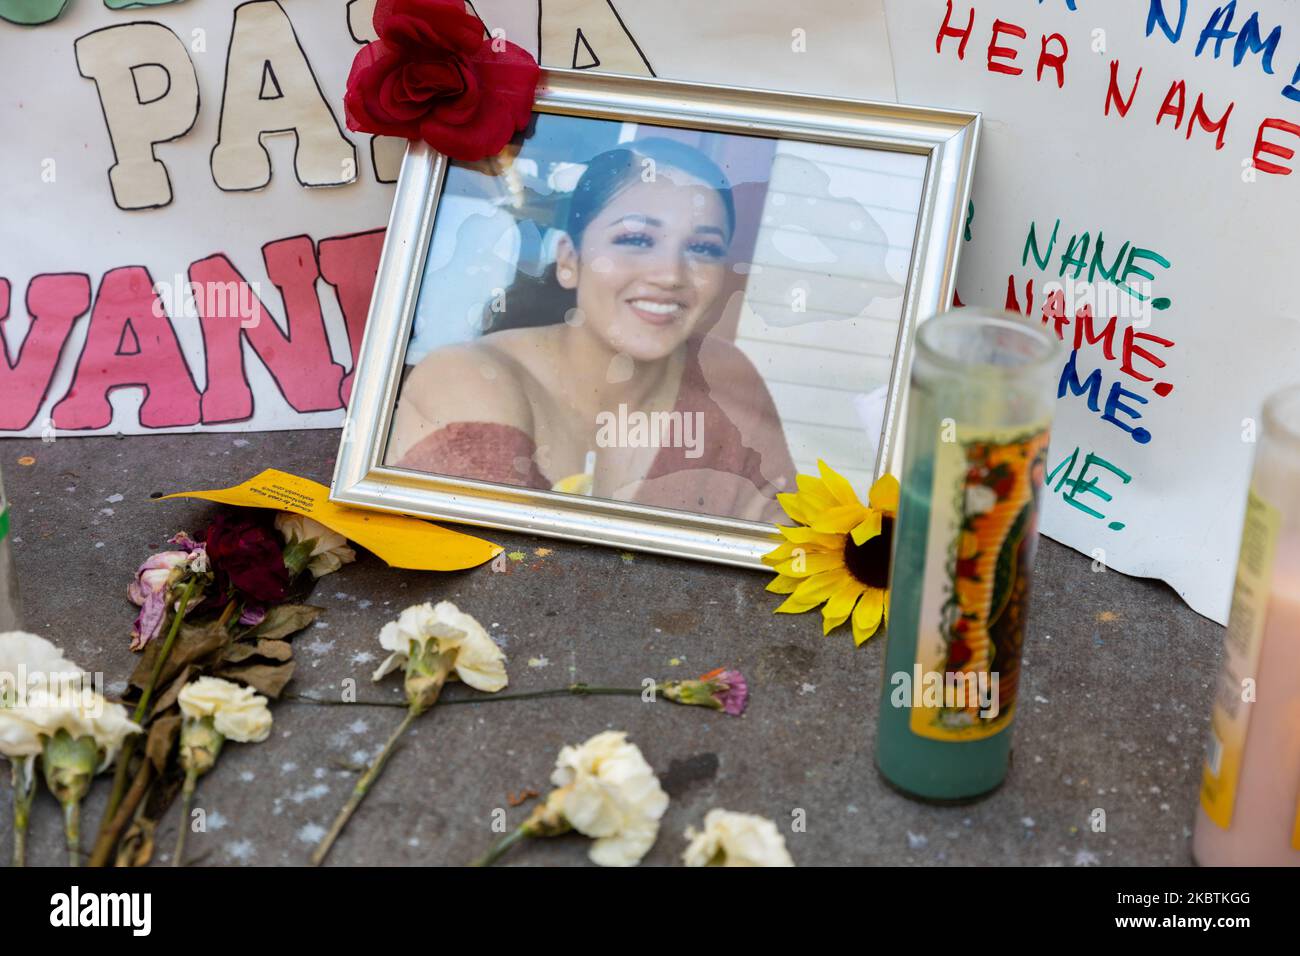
<point x="947" y="139"/>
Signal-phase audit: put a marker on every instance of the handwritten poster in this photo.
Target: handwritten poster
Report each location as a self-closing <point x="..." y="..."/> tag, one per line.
<point x="1137" y="192"/>
<point x="190" y="233"/>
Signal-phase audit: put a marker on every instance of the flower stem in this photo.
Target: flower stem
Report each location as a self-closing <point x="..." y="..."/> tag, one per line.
<point x="72" y="830"/>
<point x="113" y="826"/>
<point x="360" y="790"/>
<point x="573" y="690"/>
<point x="107" y="831"/>
<point x="498" y="851"/>
<point x="128" y="749"/>
<point x="187" y="794"/>
<point x="23" y="774"/>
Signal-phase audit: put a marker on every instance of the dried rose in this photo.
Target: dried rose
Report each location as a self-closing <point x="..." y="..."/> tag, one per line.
<point x="246" y="555"/>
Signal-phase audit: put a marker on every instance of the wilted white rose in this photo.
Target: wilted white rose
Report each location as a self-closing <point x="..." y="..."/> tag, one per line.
<point x="609" y="792"/>
<point x="736" y="839"/>
<point x="238" y="713"/>
<point x="330" y="549"/>
<point x="478" y="661"/>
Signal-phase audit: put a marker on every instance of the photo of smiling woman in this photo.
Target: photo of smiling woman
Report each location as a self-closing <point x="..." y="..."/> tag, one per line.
<point x="601" y="371"/>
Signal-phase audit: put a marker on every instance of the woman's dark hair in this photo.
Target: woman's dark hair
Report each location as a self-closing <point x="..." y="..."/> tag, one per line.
<point x="543" y="301"/>
<point x="612" y="171"/>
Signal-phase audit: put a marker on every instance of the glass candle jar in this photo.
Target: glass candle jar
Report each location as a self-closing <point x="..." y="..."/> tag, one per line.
<point x="979" y="411"/>
<point x="1250" y="788"/>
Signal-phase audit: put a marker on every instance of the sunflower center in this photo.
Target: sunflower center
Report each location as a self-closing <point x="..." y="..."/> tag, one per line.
<point x="869" y="562"/>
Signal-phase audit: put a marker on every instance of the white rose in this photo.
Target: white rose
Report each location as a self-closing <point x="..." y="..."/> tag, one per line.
<point x="980" y="499"/>
<point x="736" y="839"/>
<point x="330" y="550"/>
<point x="29" y="664"/>
<point x="18" y="737"/>
<point x="608" y="791"/>
<point x="238" y="713"/>
<point x="478" y="661"/>
<point x="82" y="713"/>
<point x="24" y="656"/>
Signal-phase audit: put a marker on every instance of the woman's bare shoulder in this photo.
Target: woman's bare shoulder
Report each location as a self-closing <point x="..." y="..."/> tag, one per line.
<point x="467" y="382"/>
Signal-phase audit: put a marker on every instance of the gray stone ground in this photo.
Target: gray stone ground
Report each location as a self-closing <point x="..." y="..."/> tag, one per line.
<point x="1114" y="713"/>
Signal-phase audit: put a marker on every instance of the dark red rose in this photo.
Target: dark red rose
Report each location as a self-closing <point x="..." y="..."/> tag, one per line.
<point x="247" y="556"/>
<point x="432" y="75"/>
<point x="967" y="567"/>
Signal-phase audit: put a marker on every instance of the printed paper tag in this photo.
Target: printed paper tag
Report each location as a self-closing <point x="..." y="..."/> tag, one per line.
<point x="1231" y="716"/>
<point x="401" y="541"/>
<point x="983" y="529"/>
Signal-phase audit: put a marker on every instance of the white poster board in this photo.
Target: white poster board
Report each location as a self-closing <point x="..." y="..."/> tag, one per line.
<point x="1156" y="202"/>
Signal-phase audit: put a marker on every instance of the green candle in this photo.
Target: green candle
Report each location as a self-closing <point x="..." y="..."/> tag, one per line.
<point x="979" y="410"/>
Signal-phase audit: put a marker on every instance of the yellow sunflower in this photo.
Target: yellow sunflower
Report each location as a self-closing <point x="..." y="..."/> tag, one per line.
<point x="837" y="553"/>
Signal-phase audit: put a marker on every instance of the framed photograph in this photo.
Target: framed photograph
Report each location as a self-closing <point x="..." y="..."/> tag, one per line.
<point x="652" y="310"/>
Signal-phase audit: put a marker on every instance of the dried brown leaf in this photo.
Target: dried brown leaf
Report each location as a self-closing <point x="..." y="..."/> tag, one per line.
<point x="285" y="620"/>
<point x="268" y="679"/>
<point x="162" y="737"/>
<point x="275" y="650"/>
<point x="197" y="644"/>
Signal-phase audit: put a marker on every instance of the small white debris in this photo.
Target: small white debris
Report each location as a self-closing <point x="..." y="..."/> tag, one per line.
<point x="240" y="443"/>
<point x="806" y="688"/>
<point x="1086" y="858"/>
<point x="241" y="850"/>
<point x="314" y="792"/>
<point x="916" y="841"/>
<point x="542" y="661"/>
<point x="114" y="499"/>
<point x="312" y="833"/>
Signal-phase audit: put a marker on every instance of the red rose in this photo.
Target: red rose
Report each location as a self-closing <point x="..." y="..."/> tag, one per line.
<point x="246" y="552"/>
<point x="432" y="75"/>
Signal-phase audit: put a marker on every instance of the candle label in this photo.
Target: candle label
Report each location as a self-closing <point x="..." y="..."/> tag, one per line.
<point x="983" y="531"/>
<point x="1245" y="634"/>
<point x="4" y="520"/>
